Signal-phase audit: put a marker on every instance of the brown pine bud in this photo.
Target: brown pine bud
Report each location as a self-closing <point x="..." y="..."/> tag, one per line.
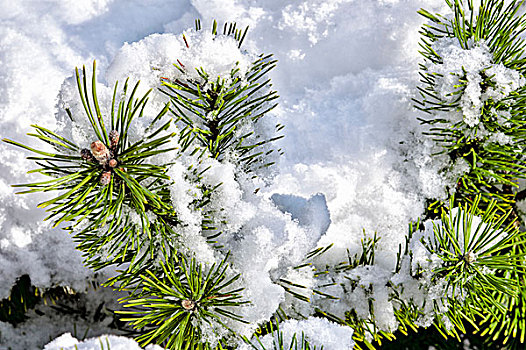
<point x="113" y="163"/>
<point x="100" y="152"/>
<point x="470" y="257"/>
<point x="105" y="178"/>
<point x="114" y="138"/>
<point x="86" y="155"/>
<point x="188" y="304"/>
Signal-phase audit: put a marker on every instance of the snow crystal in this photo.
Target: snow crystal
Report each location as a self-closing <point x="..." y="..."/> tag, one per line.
<point x="273" y="243"/>
<point x="67" y="342"/>
<point x="506" y="80"/>
<point x="420" y="255"/>
<point x="154" y="57"/>
<point x="303" y="277"/>
<point x="500" y="138"/>
<point x="317" y="331"/>
<point x="472" y="65"/>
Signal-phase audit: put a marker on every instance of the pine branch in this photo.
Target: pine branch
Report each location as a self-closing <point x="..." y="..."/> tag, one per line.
<point x="214" y="110"/>
<point x="171" y="308"/>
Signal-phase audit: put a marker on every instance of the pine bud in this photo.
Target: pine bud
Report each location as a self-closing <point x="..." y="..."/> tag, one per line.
<point x="188" y="304"/>
<point x="105" y="178"/>
<point x="100" y="152"/>
<point x="114" y="138"/>
<point x="113" y="163"/>
<point x="470" y="257"/>
<point x="86" y="155"/>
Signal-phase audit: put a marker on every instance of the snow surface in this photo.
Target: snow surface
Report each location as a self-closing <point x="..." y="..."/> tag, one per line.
<point x="318" y="332"/>
<point x="346" y="74"/>
<point x="67" y="342"/>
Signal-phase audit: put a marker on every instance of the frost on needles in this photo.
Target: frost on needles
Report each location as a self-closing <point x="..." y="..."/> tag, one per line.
<point x="159" y="184"/>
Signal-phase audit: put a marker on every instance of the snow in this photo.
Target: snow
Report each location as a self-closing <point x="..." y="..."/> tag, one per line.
<point x="318" y="332"/>
<point x="67" y="342"/>
<point x="470" y="64"/>
<point x="354" y="157"/>
<point x="217" y="57"/>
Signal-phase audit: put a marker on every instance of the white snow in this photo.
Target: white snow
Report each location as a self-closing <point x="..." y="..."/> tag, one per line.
<point x="316" y="331"/>
<point x="469" y="64"/>
<point x="67" y="342"/>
